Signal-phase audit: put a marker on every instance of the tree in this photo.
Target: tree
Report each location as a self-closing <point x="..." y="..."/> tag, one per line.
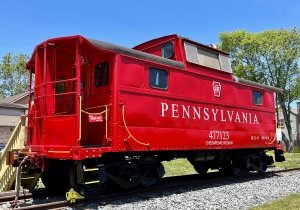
<point x="14" y="78"/>
<point x="270" y="57"/>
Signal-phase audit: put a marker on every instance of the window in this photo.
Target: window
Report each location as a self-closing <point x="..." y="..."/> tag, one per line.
<point x="60" y="87"/>
<point x="167" y="50"/>
<point x="158" y="78"/>
<point x="281" y="123"/>
<point x="101" y="74"/>
<point x="257" y="98"/>
<point x="206" y="57"/>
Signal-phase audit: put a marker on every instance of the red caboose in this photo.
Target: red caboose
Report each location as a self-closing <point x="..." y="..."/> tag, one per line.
<point x="102" y="111"/>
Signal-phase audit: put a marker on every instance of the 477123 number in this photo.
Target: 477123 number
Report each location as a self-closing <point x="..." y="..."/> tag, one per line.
<point x="218" y="135"/>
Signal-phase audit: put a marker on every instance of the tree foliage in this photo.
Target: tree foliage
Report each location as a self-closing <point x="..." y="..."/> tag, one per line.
<point x="14" y="78"/>
<point x="270" y="57"/>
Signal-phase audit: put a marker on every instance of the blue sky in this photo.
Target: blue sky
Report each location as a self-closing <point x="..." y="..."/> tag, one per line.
<point x="24" y="24"/>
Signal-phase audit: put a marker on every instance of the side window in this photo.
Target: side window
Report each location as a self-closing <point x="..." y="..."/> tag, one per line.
<point x="158" y="78"/>
<point x="257" y="98"/>
<point x="281" y="124"/>
<point x="167" y="50"/>
<point x="101" y="74"/>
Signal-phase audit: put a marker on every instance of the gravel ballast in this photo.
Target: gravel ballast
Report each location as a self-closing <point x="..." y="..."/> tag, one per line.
<point x="237" y="194"/>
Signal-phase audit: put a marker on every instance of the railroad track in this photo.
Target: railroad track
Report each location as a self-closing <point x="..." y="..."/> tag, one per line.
<point x="167" y="185"/>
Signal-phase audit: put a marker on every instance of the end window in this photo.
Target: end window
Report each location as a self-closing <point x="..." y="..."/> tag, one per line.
<point x="167" y="50"/>
<point x="257" y="98"/>
<point x="60" y="86"/>
<point x="158" y="78"/>
<point x="101" y="74"/>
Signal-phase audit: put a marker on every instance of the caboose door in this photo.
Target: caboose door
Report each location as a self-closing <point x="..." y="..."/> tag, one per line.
<point x="95" y="93"/>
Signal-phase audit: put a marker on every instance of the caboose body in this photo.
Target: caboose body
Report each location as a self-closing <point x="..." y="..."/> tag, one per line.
<point x="104" y="112"/>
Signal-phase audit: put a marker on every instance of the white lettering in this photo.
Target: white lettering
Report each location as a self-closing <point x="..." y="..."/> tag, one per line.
<point x="215" y="114"/>
<point x="185" y="111"/>
<point x="255" y="121"/>
<point x="230" y="114"/>
<point x="164" y="107"/>
<point x="206" y="115"/>
<point x="175" y="113"/>
<point x="196" y="112"/>
<point x="222" y="116"/>
<point x="245" y="117"/>
<point x="237" y="117"/>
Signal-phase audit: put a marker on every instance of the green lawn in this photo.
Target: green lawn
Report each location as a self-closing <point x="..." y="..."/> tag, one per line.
<point x="292" y="161"/>
<point x="182" y="166"/>
<point x="287" y="203"/>
<point x="178" y="167"/>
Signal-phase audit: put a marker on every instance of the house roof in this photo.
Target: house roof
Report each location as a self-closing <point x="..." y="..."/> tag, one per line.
<point x="15" y="98"/>
<point x="16" y="106"/>
<point x="12" y="101"/>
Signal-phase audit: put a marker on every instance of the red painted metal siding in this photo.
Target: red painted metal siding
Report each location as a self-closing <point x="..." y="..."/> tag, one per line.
<point x="201" y="108"/>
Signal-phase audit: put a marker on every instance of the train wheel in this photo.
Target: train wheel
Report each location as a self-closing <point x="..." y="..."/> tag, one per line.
<point x="90" y="185"/>
<point x="260" y="167"/>
<point x="201" y="168"/>
<point x="236" y="171"/>
<point x="228" y="169"/>
<point x="90" y="190"/>
<point x="56" y="178"/>
<point x="56" y="182"/>
<point x="152" y="172"/>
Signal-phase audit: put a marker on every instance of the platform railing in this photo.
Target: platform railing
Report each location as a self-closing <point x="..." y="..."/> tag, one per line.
<point x="46" y="101"/>
<point x="16" y="141"/>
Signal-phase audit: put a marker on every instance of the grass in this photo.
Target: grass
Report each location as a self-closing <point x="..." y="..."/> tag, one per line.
<point x="292" y="160"/>
<point x="287" y="203"/>
<point x="178" y="167"/>
<point x="181" y="166"/>
<point x="296" y="150"/>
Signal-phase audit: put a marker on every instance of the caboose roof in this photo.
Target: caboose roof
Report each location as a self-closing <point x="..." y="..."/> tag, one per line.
<point x="176" y="36"/>
<point x="134" y="53"/>
<point x="70" y="41"/>
<point x="67" y="42"/>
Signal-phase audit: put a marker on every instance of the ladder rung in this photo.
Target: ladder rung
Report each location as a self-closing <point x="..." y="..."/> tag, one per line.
<point x="92" y="182"/>
<point x="29" y="177"/>
<point x="90" y="169"/>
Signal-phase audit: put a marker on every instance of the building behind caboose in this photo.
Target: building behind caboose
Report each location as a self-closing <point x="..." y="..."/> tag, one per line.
<point x="295" y="125"/>
<point x="11" y="109"/>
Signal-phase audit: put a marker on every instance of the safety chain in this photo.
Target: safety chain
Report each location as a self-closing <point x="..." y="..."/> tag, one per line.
<point x="129" y="133"/>
<point x="99" y="113"/>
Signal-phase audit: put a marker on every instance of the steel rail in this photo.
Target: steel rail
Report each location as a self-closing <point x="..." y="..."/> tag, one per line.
<point x="167" y="185"/>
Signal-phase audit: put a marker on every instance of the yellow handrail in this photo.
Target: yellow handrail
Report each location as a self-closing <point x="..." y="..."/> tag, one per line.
<point x="16" y="141"/>
<point x="129" y="133"/>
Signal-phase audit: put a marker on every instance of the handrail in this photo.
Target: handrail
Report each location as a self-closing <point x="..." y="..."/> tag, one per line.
<point x="56" y="94"/>
<point x="57" y="81"/>
<point x="16" y="141"/>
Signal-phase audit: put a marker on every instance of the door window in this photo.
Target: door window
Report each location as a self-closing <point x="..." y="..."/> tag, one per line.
<point x="101" y="74"/>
